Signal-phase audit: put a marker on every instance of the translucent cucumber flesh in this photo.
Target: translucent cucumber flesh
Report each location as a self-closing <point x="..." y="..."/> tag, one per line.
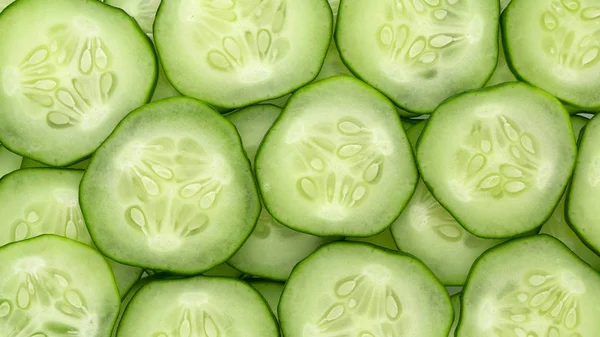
<point x="419" y="53"/>
<point x="9" y="161"/>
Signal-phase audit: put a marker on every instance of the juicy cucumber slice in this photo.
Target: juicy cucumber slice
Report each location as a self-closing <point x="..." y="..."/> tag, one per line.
<point x="337" y="161"/>
<point x="244" y="51"/>
<point x="197" y="306"/>
<point x="356" y="289"/>
<point x="554" y="45"/>
<point x="272" y="250"/>
<point x="4" y="4"/>
<point x="582" y="210"/>
<point x="39" y="201"/>
<point x="533" y="286"/>
<point x="419" y="53"/>
<point x="80" y="69"/>
<point x="170" y="189"/>
<point x="499" y="158"/>
<point x="53" y="286"/>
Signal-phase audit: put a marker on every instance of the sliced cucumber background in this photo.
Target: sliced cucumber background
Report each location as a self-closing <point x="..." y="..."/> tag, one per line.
<point x="337" y="161"/>
<point x="75" y="75"/>
<point x="357" y="289"/>
<point x="244" y="52"/>
<point x="383" y="239"/>
<point x="530" y="286"/>
<point x="202" y="306"/>
<point x="419" y="53"/>
<point x="270" y="291"/>
<point x="498" y="159"/>
<point x="170" y="189"/>
<point x="56" y="286"/>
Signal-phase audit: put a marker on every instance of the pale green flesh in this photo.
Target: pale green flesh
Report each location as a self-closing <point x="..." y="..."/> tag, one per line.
<point x="510" y="157"/>
<point x="125" y="301"/>
<point x="356" y="289"/>
<point x="270" y="291"/>
<point x="502" y="73"/>
<point x="426" y="230"/>
<point x="28" y="162"/>
<point x="455" y="299"/>
<point x="383" y="239"/>
<point x="41" y="201"/>
<point x="533" y="286"/>
<point x="419" y="53"/>
<point x="77" y="74"/>
<point x="554" y="46"/>
<point x="272" y="250"/>
<point x="337" y="161"/>
<point x="9" y="161"/>
<point x="582" y="209"/>
<point x="170" y="189"/>
<point x="56" y="286"/>
<point x="198" y="306"/>
<point x="246" y="51"/>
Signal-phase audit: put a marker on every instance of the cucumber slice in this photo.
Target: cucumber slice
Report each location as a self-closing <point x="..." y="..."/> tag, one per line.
<point x="337" y="161"/>
<point x="533" y="286"/>
<point x="8" y="161"/>
<point x="383" y="239"/>
<point x="419" y="53"/>
<point x="197" y="306"/>
<point x="28" y="162"/>
<point x="270" y="291"/>
<point x="272" y="250"/>
<point x="414" y="133"/>
<point x="504" y="4"/>
<point x="244" y="51"/>
<point x="455" y="300"/>
<point x="426" y="230"/>
<point x="498" y="159"/>
<point x="80" y="69"/>
<point x="38" y="201"/>
<point x="356" y="289"/>
<point x="52" y="286"/>
<point x="170" y="189"/>
<point x="554" y="46"/>
<point x="582" y="210"/>
<point x="125" y="302"/>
